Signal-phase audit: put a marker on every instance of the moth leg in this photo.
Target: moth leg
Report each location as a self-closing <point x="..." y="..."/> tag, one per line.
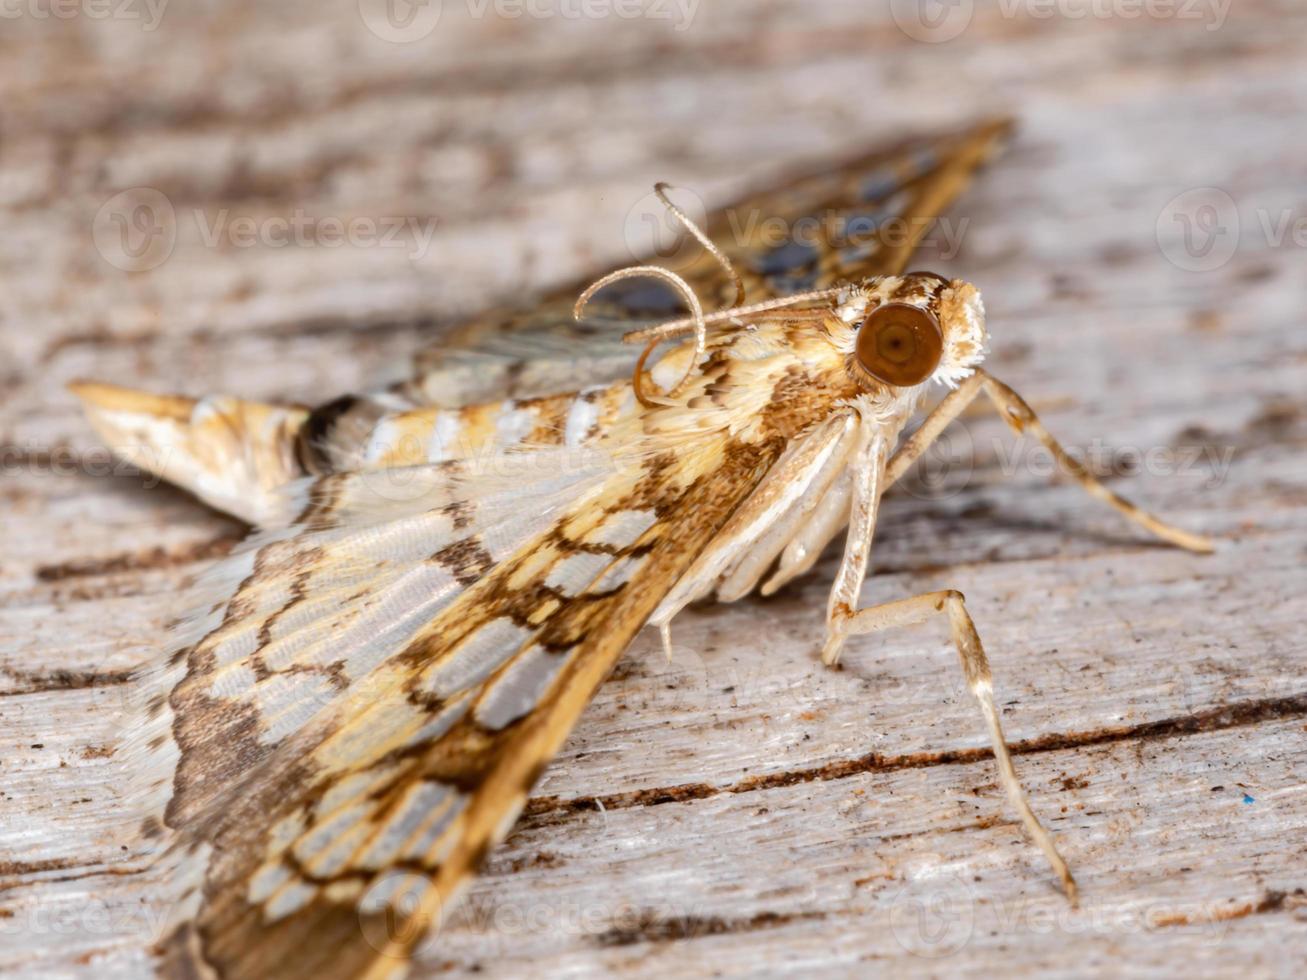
<point x="975" y="667"/>
<point x="832" y="513"/>
<point x="748" y="569"/>
<point x="1021" y="417"/>
<point x="829" y="517"/>
<point x="867" y="469"/>
<point x="782" y="489"/>
<point x="953" y="405"/>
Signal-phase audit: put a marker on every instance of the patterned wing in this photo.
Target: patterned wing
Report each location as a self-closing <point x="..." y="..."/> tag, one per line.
<point x="365" y="710"/>
<point x="864" y="217"/>
<point x="860" y="219"/>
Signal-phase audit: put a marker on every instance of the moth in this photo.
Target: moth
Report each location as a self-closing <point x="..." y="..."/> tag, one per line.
<point x="445" y="571"/>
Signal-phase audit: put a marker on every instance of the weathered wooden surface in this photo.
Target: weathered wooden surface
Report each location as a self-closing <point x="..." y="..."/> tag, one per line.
<point x="740" y="810"/>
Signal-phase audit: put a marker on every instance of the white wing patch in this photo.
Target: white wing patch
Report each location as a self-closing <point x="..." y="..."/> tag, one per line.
<point x="519" y="688"/>
<point x="483" y="652"/>
<point x="573" y="574"/>
<point x="621" y="530"/>
<point x="582" y="417"/>
<point x="617" y="575"/>
<point x="513" y="424"/>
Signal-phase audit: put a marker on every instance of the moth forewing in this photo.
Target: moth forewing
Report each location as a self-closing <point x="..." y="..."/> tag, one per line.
<point x="475" y="389"/>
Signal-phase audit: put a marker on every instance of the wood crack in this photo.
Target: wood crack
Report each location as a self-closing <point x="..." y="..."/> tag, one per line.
<point x="37" y="682"/>
<point x="1221" y="718"/>
<point x="137" y="561"/>
<point x="651" y="927"/>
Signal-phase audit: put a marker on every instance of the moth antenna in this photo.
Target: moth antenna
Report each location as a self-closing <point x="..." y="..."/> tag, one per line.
<point x="688" y="325"/>
<point x="661" y="188"/>
<point x="680" y="285"/>
<point x="697" y="322"/>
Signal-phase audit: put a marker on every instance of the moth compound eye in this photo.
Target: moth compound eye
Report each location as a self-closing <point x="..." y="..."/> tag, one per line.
<point x="900" y="344"/>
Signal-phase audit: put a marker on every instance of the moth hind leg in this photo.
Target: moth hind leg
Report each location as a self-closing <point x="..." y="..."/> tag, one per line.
<point x="975" y="667"/>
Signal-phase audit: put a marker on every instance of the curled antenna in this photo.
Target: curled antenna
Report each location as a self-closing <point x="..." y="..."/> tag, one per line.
<point x="661" y="188"/>
<point x="697" y="321"/>
<point x="689" y="325"/>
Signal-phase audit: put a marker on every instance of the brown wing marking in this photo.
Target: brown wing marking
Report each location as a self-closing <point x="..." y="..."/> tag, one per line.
<point x="296" y="889"/>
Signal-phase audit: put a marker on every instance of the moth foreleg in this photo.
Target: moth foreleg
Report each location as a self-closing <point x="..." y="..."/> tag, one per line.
<point x="1021" y="417"/>
<point x="829" y="517"/>
<point x="832" y="513"/>
<point x="814" y="458"/>
<point x="975" y="666"/>
<point x="953" y="405"/>
<point x="868" y="468"/>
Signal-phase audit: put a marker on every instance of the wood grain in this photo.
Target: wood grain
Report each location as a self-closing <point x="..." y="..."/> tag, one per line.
<point x="739" y="811"/>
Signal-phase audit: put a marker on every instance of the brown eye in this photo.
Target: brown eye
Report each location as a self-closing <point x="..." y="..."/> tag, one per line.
<point x="900" y="344"/>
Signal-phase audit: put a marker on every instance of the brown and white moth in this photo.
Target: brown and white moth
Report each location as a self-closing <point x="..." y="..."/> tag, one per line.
<point x="445" y="572"/>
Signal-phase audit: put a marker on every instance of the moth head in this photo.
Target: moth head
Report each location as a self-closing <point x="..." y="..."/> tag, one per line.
<point x="907" y="330"/>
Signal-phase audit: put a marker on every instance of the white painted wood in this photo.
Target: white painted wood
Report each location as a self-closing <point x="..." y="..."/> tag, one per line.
<point x="759" y="814"/>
